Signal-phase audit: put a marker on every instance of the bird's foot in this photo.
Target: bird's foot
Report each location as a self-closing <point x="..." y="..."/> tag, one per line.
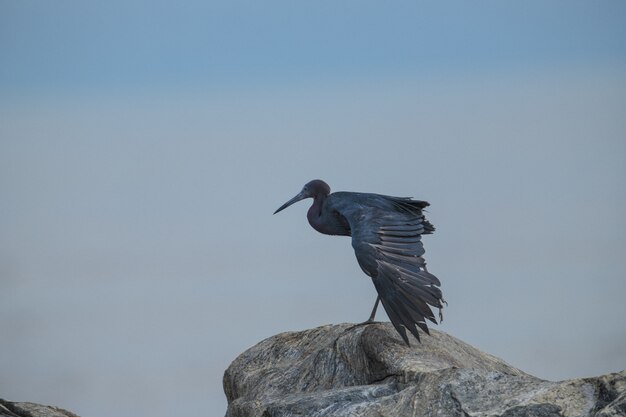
<point x="371" y="318"/>
<point x="354" y="326"/>
<point x="364" y="323"/>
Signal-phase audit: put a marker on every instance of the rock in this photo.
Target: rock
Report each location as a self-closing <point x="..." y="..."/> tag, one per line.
<point x="347" y="370"/>
<point x="17" y="409"/>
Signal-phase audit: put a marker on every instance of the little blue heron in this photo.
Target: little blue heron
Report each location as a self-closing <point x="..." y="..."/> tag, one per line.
<point x="386" y="236"/>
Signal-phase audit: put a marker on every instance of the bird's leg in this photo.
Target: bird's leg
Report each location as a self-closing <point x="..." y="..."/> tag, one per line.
<point x="368" y="321"/>
<point x="371" y="319"/>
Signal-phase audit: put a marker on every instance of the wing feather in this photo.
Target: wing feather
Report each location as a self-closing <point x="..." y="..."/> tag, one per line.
<point x="388" y="245"/>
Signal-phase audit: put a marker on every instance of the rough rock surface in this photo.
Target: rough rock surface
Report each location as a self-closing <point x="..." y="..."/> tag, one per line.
<point x="17" y="409"/>
<point x="347" y="370"/>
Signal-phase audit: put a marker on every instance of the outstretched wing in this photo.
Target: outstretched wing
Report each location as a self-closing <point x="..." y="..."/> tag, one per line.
<point x="386" y="237"/>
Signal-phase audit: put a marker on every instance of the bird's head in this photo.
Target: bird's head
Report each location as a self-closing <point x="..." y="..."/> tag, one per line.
<point x="311" y="189"/>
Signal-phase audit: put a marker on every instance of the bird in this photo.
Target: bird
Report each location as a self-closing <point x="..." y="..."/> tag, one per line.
<point x="386" y="236"/>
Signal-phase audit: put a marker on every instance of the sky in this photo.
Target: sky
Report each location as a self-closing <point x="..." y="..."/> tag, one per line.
<point x="145" y="145"/>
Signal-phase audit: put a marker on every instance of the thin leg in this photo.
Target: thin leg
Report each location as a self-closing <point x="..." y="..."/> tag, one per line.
<point x="371" y="319"/>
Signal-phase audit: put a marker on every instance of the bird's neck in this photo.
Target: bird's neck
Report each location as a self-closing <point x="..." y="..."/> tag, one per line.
<point x="314" y="215"/>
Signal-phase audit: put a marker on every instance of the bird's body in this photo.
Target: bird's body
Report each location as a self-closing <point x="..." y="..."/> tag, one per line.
<point x="386" y="237"/>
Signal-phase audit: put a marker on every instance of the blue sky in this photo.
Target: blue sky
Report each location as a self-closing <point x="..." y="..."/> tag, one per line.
<point x="73" y="46"/>
<point x="144" y="146"/>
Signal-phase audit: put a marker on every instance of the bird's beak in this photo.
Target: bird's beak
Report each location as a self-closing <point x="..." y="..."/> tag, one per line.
<point x="300" y="196"/>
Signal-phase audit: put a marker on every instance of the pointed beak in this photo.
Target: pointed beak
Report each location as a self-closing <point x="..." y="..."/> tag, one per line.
<point x="297" y="198"/>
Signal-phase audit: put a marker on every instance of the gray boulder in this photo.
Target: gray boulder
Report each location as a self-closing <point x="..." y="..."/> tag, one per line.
<point x="25" y="409"/>
<point x="347" y="370"/>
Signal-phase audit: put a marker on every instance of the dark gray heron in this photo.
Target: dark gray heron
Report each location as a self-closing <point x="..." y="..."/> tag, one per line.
<point x="387" y="240"/>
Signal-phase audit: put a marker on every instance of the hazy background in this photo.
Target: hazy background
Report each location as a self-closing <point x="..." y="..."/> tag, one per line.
<point x="145" y="144"/>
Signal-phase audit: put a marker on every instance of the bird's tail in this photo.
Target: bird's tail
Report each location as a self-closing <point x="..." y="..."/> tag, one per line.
<point x="407" y="296"/>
